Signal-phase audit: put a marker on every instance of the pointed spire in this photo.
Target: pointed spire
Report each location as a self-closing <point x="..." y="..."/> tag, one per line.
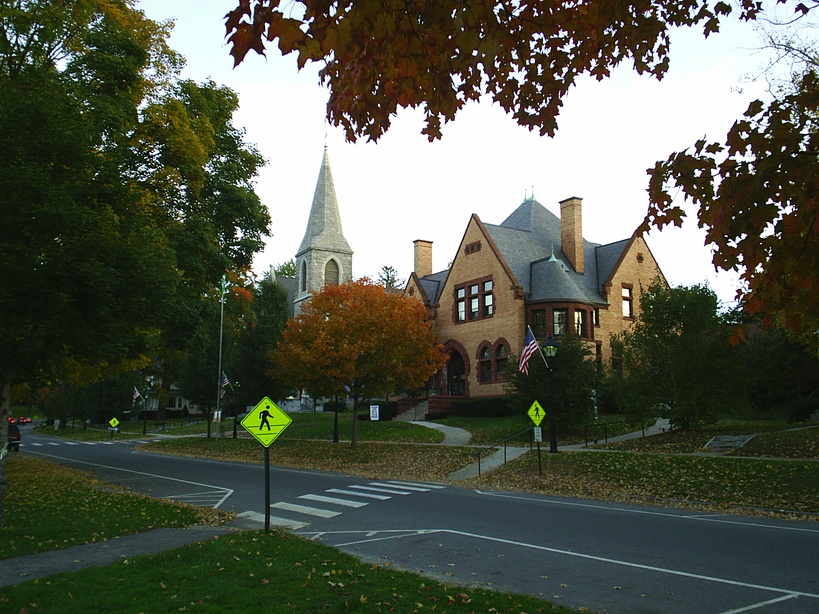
<point x="324" y="225"/>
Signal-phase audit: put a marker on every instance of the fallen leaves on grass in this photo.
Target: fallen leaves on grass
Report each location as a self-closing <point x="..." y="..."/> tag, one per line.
<point x="369" y="460"/>
<point x="684" y="480"/>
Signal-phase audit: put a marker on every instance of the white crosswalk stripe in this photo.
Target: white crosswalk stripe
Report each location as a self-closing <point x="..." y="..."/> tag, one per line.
<point x="391" y="491"/>
<point x="341" y="491"/>
<point x="374" y="491"/>
<point x="333" y="500"/>
<point x="305" y="509"/>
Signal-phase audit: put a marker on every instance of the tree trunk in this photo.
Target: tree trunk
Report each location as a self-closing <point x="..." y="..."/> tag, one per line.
<point x="5" y="412"/>
<point x="354" y="439"/>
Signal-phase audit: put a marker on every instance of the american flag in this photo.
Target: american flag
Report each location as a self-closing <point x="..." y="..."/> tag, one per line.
<point x="135" y="397"/>
<point x="529" y="348"/>
<point x="225" y="384"/>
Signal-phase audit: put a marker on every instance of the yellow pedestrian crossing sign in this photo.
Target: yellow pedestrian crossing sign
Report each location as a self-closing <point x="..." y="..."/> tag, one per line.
<point x="266" y="422"/>
<point x="113" y="422"/>
<point x="536" y="413"/>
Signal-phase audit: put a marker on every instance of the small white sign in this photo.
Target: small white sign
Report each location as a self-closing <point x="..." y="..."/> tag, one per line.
<point x="374" y="413"/>
<point x="538" y="434"/>
<point x="217" y="416"/>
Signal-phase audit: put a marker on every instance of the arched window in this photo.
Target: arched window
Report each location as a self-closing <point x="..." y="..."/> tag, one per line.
<point x="331" y="273"/>
<point x="485" y="365"/>
<point x="500" y="361"/>
<point x="303" y="277"/>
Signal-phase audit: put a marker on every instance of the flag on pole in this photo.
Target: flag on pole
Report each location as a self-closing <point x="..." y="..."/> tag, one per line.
<point x="529" y="348"/>
<point x="135" y="397"/>
<point x="225" y="384"/>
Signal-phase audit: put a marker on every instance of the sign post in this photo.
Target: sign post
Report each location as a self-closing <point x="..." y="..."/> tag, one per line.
<point x="266" y="421"/>
<point x="536" y="413"/>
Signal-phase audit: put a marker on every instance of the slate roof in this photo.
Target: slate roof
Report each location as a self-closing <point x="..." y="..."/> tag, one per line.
<point x="529" y="241"/>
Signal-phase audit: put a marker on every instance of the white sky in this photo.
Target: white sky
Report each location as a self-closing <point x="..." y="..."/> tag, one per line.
<point x="405" y="188"/>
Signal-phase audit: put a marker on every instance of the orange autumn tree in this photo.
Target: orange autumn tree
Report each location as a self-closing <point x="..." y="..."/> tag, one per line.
<point x="358" y="340"/>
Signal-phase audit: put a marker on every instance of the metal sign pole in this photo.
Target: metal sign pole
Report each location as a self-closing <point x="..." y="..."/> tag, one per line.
<point x="267" y="490"/>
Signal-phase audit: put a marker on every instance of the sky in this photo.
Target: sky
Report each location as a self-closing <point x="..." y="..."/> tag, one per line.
<point x="405" y="188"/>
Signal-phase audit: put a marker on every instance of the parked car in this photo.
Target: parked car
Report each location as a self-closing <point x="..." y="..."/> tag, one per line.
<point x="14" y="436"/>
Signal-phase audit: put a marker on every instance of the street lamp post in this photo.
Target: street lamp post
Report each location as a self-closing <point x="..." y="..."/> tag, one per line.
<point x="550" y="349"/>
<point x="222" y="293"/>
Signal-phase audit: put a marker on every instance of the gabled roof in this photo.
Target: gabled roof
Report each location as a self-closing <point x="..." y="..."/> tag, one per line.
<point x="529" y="241"/>
<point x="432" y="285"/>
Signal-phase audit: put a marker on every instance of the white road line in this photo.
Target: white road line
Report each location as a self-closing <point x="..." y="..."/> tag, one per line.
<point x="275" y="521"/>
<point x="403" y="486"/>
<point x="697" y="517"/>
<point x="761" y="604"/>
<point x="391" y="534"/>
<point x="664" y="570"/>
<point x="304" y="509"/>
<point x="333" y="500"/>
<point x="433" y="486"/>
<point x="227" y="491"/>
<point x="341" y="491"/>
<point x="386" y="490"/>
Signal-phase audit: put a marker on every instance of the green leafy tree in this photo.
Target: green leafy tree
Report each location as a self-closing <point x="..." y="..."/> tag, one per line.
<point x="574" y="375"/>
<point x="388" y="277"/>
<point x="85" y="266"/>
<point x="676" y="361"/>
<point x="258" y="337"/>
<point x="286" y="269"/>
<point x="358" y="337"/>
<point x="128" y="194"/>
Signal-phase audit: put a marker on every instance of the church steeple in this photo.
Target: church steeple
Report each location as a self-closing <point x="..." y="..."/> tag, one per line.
<point x="324" y="226"/>
<point x="324" y="255"/>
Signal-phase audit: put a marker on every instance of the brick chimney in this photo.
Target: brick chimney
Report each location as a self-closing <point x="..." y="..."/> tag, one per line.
<point x="571" y="231"/>
<point x="423" y="258"/>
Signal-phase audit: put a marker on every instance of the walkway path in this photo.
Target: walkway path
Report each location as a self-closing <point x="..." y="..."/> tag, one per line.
<point x="454" y="436"/>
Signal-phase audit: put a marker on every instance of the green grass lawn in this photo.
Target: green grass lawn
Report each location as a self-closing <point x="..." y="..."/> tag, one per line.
<point x="737" y="485"/>
<point x="49" y="506"/>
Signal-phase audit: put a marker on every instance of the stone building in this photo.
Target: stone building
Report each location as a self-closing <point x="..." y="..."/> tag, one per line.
<point x="533" y="269"/>
<point x="324" y="256"/>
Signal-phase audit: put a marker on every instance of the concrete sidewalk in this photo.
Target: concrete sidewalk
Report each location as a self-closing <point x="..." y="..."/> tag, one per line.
<point x="508" y="454"/>
<point x="660" y="426"/>
<point x="99" y="554"/>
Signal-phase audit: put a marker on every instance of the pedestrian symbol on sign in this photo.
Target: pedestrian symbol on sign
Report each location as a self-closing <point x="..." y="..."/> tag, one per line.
<point x="266" y="421"/>
<point x="536" y="413"/>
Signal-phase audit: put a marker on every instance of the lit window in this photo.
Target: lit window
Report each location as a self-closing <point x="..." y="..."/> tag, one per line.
<point x="580" y="322"/>
<point x="628" y="302"/>
<point x="560" y="321"/>
<point x="488" y="305"/>
<point x="473" y="307"/>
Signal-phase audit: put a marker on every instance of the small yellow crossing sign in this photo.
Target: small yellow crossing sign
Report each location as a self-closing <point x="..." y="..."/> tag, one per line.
<point x="113" y="422"/>
<point x="266" y="422"/>
<point x="536" y="413"/>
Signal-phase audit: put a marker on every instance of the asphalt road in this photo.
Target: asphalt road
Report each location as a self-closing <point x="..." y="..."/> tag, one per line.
<point x="579" y="553"/>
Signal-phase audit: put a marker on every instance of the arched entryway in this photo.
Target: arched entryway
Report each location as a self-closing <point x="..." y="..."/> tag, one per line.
<point x="455" y="374"/>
